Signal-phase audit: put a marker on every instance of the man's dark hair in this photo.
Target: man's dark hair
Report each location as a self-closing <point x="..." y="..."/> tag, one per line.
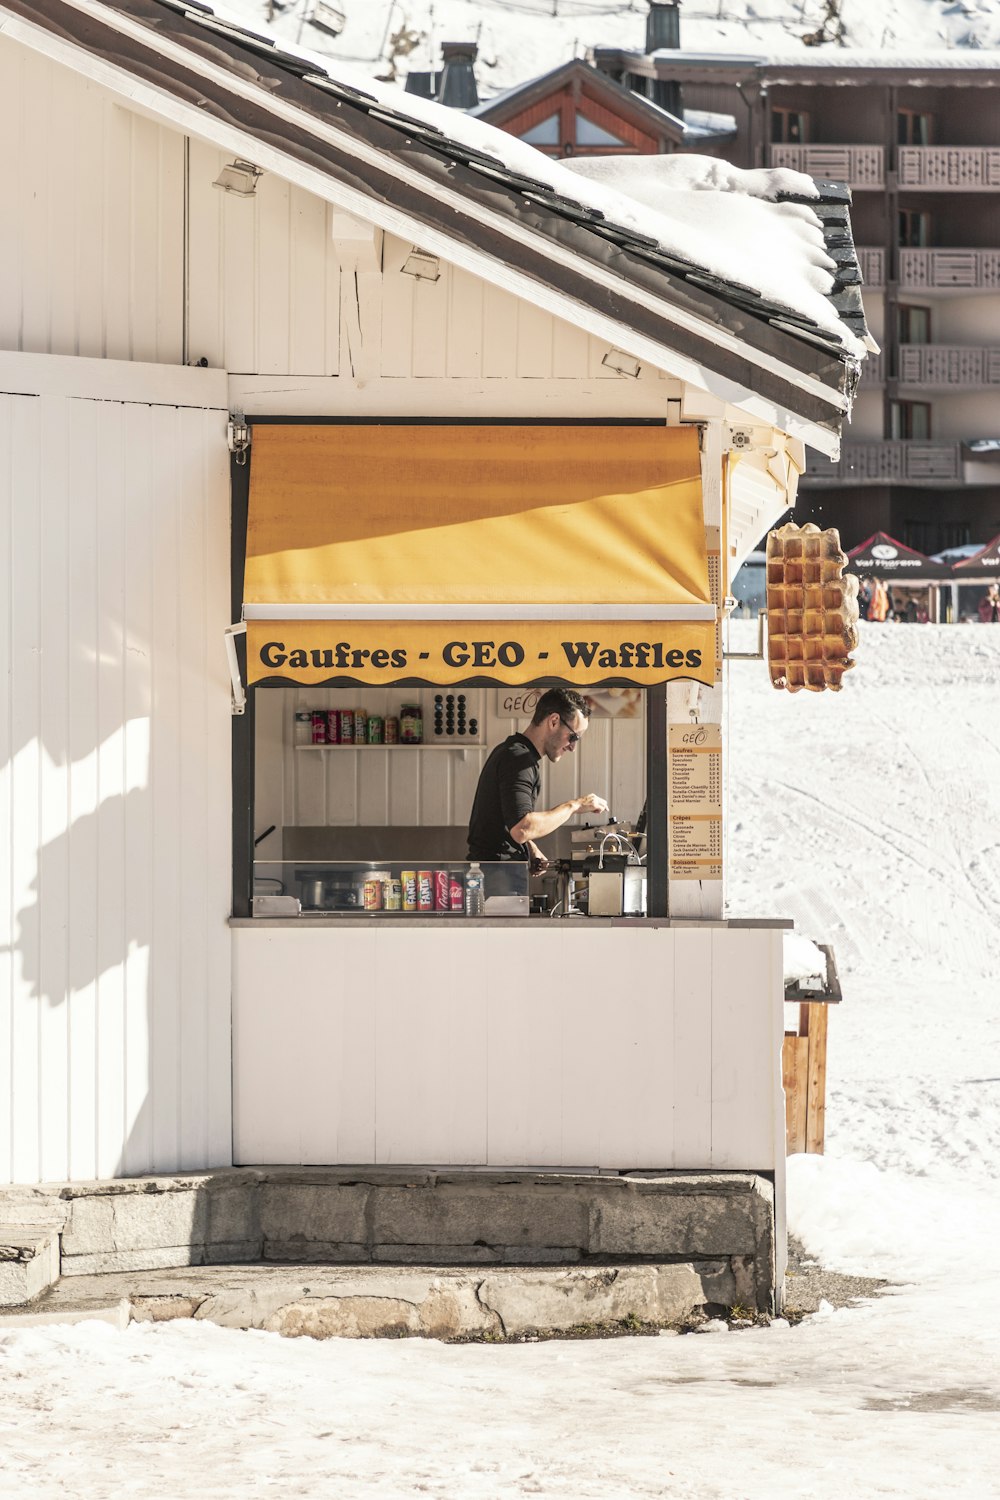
<point x="561" y="701"/>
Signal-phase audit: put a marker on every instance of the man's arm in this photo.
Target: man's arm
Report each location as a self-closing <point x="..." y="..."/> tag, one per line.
<point x="535" y="825"/>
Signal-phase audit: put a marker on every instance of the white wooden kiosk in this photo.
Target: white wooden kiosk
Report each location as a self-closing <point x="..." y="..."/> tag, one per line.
<point x="201" y="232"/>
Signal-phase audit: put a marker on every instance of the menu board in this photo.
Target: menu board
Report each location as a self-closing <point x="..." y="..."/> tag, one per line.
<point x="694" y="808"/>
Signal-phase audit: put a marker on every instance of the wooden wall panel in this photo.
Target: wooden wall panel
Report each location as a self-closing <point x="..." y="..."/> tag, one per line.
<point x="540" y="1044"/>
<point x="114" y="985"/>
<point x="91" y="258"/>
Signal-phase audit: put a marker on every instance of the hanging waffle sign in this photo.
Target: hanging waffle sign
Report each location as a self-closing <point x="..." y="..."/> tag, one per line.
<point x="812" y="609"/>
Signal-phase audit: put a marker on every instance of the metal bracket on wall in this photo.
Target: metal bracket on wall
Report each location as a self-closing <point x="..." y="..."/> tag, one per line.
<point x="239" y="691"/>
<point x="238" y="436"/>
<point x="757" y="655"/>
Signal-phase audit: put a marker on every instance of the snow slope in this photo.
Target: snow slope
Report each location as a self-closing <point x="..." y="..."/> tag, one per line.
<point x="873" y="817"/>
<point x="519" y="39"/>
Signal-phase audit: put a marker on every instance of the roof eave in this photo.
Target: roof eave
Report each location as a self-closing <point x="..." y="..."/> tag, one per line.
<point x="470" y="219"/>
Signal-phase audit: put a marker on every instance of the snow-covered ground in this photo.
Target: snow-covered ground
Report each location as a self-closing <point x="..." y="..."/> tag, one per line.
<point x="520" y="39"/>
<point x="872" y="817"/>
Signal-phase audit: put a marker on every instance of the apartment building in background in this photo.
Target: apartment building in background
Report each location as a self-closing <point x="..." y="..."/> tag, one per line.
<point x="917" y="140"/>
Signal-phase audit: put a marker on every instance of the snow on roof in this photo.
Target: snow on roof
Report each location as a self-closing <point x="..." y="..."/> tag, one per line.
<point x="689" y="205"/>
<point x="707" y="124"/>
<point x="726" y="219"/>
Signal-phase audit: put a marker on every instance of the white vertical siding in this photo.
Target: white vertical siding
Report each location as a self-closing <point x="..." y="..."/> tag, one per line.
<point x="263" y="278"/>
<point x="91" y="253"/>
<point x="509" y="1045"/>
<point x="114" y="775"/>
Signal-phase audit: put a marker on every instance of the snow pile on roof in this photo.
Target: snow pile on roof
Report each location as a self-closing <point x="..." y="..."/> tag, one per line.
<point x="725" y="219"/>
<point x="698" y="209"/>
<point x="707" y="124"/>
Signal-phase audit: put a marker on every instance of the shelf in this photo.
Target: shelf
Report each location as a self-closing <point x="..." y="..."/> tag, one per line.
<point x="442" y="744"/>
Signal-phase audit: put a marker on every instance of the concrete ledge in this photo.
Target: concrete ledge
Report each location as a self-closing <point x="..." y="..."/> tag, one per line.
<point x="421" y="1301"/>
<point x="413" y="1216"/>
<point x="29" y="1262"/>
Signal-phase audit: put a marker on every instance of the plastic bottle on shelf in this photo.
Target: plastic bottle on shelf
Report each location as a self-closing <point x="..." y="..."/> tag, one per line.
<point x="475" y="903"/>
<point x="303" y="726"/>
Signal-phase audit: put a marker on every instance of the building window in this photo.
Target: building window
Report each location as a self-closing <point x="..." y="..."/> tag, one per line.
<point x="914" y="228"/>
<point x="910" y="419"/>
<point x="914" y="324"/>
<point x="589" y="133"/>
<point x="913" y="129"/>
<point x="935" y="536"/>
<point x="789" y="127"/>
<point x="545" y="133"/>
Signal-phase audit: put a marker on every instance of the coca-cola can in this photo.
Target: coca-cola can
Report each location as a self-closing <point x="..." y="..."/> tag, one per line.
<point x="333" y="726"/>
<point x="425" y="890"/>
<point x="456" y="890"/>
<point x="319" y="726"/>
<point x="442" y="891"/>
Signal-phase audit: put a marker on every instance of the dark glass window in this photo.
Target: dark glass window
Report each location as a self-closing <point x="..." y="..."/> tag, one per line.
<point x="914" y="324"/>
<point x="913" y="129"/>
<point x="789" y="127"/>
<point x="910" y="419"/>
<point x="914" y="228"/>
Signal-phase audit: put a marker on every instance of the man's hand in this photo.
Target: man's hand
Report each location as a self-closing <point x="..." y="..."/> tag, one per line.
<point x="537" y="861"/>
<point x="594" y="804"/>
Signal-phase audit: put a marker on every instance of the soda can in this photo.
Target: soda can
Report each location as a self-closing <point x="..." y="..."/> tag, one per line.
<point x="333" y="726"/>
<point x="347" y="726"/>
<point x="409" y="881"/>
<point x="360" y="727"/>
<point x="373" y="895"/>
<point x="392" y="731"/>
<point x="456" y="890"/>
<point x="375" y="729"/>
<point x="425" y="890"/>
<point x="393" y="898"/>
<point x="442" y="891"/>
<point x="319" y="726"/>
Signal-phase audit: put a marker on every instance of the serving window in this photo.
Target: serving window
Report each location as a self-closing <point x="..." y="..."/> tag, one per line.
<point x="393" y="575"/>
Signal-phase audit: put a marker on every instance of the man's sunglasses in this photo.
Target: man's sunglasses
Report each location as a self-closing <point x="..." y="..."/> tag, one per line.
<point x="574" y="738"/>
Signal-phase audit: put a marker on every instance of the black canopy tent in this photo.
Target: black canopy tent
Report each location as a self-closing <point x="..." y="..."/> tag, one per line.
<point x="983" y="566"/>
<point x="881" y="556"/>
<point x="900" y="567"/>
<point x="970" y="576"/>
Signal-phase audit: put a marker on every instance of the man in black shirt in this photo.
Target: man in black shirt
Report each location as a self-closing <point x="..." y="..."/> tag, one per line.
<point x="504" y="823"/>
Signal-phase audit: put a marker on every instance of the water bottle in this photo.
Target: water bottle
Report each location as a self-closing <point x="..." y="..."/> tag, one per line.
<point x="475" y="904"/>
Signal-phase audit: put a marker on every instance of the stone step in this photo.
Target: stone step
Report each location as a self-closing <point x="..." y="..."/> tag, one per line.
<point x="420" y="1216"/>
<point x="29" y="1262"/>
<point x="448" y="1302"/>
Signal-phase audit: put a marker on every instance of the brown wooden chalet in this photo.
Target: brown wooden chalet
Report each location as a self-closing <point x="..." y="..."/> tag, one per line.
<point x="576" y="110"/>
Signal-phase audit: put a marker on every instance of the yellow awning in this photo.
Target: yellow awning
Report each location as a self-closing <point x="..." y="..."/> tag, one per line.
<point x="381" y="554"/>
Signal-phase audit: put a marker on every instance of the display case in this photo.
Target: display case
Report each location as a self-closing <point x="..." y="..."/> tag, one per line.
<point x="389" y="889"/>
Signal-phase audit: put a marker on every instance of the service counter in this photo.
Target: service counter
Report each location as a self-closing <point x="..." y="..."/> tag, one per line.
<point x="615" y="1043"/>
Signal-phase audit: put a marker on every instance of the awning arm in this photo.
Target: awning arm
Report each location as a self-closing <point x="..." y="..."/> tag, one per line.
<point x="239" y="691"/>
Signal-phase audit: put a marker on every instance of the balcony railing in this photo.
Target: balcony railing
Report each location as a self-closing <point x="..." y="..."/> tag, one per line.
<point x="871" y="259"/>
<point x="954" y="169"/>
<point x="903" y="461"/>
<point x="927" y="270"/>
<point x="872" y="371"/>
<point x="948" y="366"/>
<point x="858" y="166"/>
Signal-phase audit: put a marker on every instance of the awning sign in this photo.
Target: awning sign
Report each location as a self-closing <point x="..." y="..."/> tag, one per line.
<point x="578" y="652"/>
<point x="440" y="554"/>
